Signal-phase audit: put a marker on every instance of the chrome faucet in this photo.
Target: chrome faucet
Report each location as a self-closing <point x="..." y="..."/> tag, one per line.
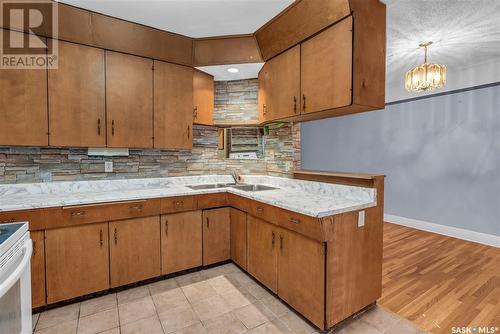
<point x="235" y="176"/>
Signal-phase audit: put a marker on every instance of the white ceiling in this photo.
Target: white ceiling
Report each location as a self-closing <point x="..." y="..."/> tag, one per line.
<point x="220" y="72"/>
<point x="464" y="32"/>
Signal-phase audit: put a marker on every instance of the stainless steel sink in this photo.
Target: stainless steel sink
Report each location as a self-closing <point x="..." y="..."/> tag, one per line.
<point x="252" y="187"/>
<point x="210" y="186"/>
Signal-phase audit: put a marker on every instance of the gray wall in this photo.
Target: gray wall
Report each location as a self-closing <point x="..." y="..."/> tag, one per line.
<point x="441" y="156"/>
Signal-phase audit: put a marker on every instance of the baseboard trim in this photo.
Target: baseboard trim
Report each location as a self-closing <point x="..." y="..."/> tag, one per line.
<point x="455" y="232"/>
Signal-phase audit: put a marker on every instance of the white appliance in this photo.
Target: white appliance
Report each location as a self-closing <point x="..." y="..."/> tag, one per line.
<point x="15" y="278"/>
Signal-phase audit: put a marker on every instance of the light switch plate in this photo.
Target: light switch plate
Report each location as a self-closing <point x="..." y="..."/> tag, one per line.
<point x="361" y="218"/>
<point x="108" y="166"/>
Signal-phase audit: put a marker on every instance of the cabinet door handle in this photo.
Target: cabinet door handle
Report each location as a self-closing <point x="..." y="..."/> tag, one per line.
<point x="101" y="241"/>
<point x="189" y="131"/>
<point x="195" y="112"/>
<point x="264" y="109"/>
<point x="294" y="105"/>
<point x="116" y="236"/>
<point x="281" y="243"/>
<point x="294" y="220"/>
<point x="98" y="126"/>
<point x="273" y="239"/>
<point x="179" y="203"/>
<point x="10" y="220"/>
<point x="136" y="207"/>
<point x="166" y="227"/>
<point x="208" y="223"/>
<point x="76" y="214"/>
<point x="113" y="127"/>
<point x="34" y="248"/>
<point x="260" y="209"/>
<point x="303" y="102"/>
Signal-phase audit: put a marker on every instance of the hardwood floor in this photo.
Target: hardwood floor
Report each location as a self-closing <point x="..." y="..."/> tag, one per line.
<point x="439" y="282"/>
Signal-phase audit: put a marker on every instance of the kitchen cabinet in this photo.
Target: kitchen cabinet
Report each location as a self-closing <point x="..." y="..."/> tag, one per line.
<point x="23" y="99"/>
<point x="77" y="261"/>
<point x="262" y="260"/>
<point x="203" y="98"/>
<point x="181" y="241"/>
<point x="173" y="106"/>
<point x="326" y="68"/>
<point x="216" y="236"/>
<point x="262" y="94"/>
<point x="283" y="85"/>
<point x="239" y="237"/>
<point x="134" y="250"/>
<point x="129" y="100"/>
<point x="38" y="269"/>
<point x="77" y="110"/>
<point x="301" y="275"/>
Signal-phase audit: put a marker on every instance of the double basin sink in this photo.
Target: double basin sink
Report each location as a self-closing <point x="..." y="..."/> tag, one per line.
<point x="241" y="186"/>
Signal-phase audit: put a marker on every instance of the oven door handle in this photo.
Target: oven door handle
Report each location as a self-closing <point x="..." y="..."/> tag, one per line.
<point x="27" y="249"/>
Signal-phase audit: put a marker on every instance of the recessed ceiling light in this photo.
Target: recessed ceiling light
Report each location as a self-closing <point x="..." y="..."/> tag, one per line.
<point x="233" y="70"/>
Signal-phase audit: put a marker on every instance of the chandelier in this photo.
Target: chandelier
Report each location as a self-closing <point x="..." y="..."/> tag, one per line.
<point x="426" y="76"/>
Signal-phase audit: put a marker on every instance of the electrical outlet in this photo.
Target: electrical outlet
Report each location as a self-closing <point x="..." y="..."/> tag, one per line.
<point x="361" y="218"/>
<point x="108" y="166"/>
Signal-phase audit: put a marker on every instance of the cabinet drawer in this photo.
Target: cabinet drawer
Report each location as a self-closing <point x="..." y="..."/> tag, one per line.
<point x="82" y="214"/>
<point x="254" y="208"/>
<point x="178" y="204"/>
<point x="134" y="209"/>
<point x="302" y="224"/>
<point x="36" y="218"/>
<point x="211" y="200"/>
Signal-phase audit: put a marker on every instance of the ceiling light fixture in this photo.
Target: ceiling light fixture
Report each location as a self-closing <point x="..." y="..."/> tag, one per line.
<point x="233" y="70"/>
<point x="426" y="76"/>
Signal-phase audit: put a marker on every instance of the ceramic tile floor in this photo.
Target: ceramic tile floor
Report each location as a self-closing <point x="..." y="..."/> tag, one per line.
<point x="222" y="299"/>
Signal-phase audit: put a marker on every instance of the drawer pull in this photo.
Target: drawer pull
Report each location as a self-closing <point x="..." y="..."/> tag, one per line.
<point x="260" y="209"/>
<point x="78" y="213"/>
<point x="179" y="203"/>
<point x="294" y="220"/>
<point x="136" y="207"/>
<point x="10" y="220"/>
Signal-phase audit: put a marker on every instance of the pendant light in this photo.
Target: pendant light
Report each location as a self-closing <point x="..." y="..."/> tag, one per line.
<point x="427" y="76"/>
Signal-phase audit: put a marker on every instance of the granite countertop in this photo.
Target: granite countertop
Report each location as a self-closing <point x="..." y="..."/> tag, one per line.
<point x="314" y="199"/>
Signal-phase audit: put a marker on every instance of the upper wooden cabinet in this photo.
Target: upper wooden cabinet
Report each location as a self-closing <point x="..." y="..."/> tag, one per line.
<point x="283" y="85"/>
<point x="326" y="69"/>
<point x="134" y="250"/>
<point x="23" y="105"/>
<point x="129" y="101"/>
<point x="203" y="98"/>
<point x="216" y="236"/>
<point x="173" y="106"/>
<point x="77" y="98"/>
<point x="263" y="92"/>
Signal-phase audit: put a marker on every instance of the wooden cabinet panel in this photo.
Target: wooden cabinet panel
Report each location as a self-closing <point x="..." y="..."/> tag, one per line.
<point x="207" y="201"/>
<point x="134" y="250"/>
<point x="283" y="85"/>
<point x="181" y="241"/>
<point x="77" y="261"/>
<point x="77" y="97"/>
<point x="326" y="70"/>
<point x="178" y="204"/>
<point x="38" y="269"/>
<point x="239" y="237"/>
<point x="173" y="106"/>
<point x="23" y="101"/>
<point x="302" y="275"/>
<point x="262" y="261"/>
<point x="203" y="98"/>
<point x="262" y="94"/>
<point x="129" y="100"/>
<point x="216" y="236"/>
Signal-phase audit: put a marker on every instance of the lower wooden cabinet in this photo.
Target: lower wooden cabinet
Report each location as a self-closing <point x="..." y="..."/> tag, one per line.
<point x="134" y="250"/>
<point x="38" y="269"/>
<point x="239" y="237"/>
<point x="216" y="236"/>
<point x="262" y="252"/>
<point x="181" y="241"/>
<point x="77" y="261"/>
<point x="301" y="275"/>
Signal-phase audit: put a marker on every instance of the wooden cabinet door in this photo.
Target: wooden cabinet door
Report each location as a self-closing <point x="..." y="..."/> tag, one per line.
<point x="262" y="261"/>
<point x="129" y="100"/>
<point x="23" y="105"/>
<point x="326" y="70"/>
<point x="239" y="237"/>
<point x="181" y="241"/>
<point x="134" y="250"/>
<point x="77" y="261"/>
<point x="173" y="106"/>
<point x="203" y="98"/>
<point x="38" y="269"/>
<point x="283" y="85"/>
<point x="77" y="97"/>
<point x="301" y="275"/>
<point x="216" y="236"/>
<point x="262" y="92"/>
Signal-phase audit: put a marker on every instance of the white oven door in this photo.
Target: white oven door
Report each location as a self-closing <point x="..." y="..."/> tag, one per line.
<point x="15" y="288"/>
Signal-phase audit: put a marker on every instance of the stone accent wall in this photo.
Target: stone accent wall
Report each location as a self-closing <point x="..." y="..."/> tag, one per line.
<point x="46" y="164"/>
<point x="236" y="101"/>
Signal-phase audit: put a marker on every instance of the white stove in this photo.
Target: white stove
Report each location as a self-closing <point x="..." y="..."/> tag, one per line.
<point x="15" y="278"/>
